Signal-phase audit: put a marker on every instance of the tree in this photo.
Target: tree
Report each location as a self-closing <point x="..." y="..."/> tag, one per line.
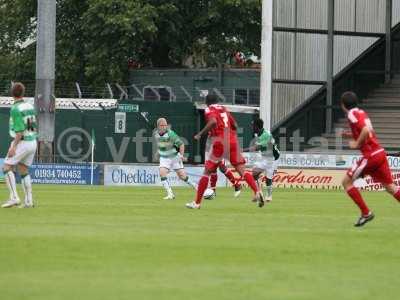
<point x="96" y="38"/>
<point x="17" y="25"/>
<point x="213" y="28"/>
<point x="114" y="31"/>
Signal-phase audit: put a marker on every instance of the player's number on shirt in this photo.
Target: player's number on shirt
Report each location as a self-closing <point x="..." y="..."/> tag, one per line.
<point x="369" y="124"/>
<point x="225" y="118"/>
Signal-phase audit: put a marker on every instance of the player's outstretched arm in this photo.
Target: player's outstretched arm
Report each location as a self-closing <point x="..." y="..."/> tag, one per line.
<point x="210" y="125"/>
<point x="252" y="149"/>
<point x="182" y="152"/>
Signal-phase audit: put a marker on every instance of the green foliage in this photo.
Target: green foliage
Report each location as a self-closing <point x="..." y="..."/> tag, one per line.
<point x="96" y="38"/>
<point x="17" y="25"/>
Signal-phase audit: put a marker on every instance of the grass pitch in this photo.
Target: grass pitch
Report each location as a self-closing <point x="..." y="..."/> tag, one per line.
<point x="126" y="243"/>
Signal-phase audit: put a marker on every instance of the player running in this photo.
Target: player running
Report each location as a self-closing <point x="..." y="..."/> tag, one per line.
<point x="224" y="170"/>
<point x="171" y="150"/>
<point x="270" y="154"/>
<point x="224" y="144"/>
<point x="373" y="161"/>
<point x="22" y="149"/>
<point x="229" y="175"/>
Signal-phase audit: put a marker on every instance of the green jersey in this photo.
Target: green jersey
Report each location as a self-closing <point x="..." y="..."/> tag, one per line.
<point x="168" y="144"/>
<point x="265" y="143"/>
<point x="23" y="120"/>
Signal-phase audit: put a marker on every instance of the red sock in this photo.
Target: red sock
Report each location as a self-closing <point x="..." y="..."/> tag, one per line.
<point x="230" y="176"/>
<point x="203" y="184"/>
<point x="355" y="194"/>
<point x="213" y="180"/>
<point x="397" y="195"/>
<point x="248" y="177"/>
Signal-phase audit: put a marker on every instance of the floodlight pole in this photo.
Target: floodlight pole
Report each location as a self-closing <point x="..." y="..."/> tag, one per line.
<point x="329" y="65"/>
<point x="266" y="63"/>
<point x="388" y="56"/>
<point x="45" y="75"/>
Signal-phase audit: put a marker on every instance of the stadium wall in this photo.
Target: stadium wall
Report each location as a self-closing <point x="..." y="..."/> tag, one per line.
<point x="120" y="147"/>
<point x="74" y="130"/>
<point x="4" y="134"/>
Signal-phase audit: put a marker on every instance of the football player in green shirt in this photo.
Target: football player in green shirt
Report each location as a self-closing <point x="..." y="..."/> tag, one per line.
<point x="265" y="143"/>
<point x="171" y="151"/>
<point x="23" y="131"/>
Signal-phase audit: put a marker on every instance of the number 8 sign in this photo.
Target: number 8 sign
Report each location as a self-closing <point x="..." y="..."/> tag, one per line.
<point x="120" y="122"/>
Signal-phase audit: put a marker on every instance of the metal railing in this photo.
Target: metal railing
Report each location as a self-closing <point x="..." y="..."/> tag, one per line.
<point x="238" y="95"/>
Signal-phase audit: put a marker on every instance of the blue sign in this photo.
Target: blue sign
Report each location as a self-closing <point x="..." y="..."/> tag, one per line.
<point x="78" y="174"/>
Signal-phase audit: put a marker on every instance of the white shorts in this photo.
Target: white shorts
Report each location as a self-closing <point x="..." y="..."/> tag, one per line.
<point x="268" y="165"/>
<point x="24" y="154"/>
<point x="174" y="163"/>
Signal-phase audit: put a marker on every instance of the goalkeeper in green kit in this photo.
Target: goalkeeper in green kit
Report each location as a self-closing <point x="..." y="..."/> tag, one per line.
<point x="23" y="131"/>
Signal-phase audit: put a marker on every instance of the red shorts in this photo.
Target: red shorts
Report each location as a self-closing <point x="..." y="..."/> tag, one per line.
<point x="376" y="166"/>
<point x="220" y="151"/>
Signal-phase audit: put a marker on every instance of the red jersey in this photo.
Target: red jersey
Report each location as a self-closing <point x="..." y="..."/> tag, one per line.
<point x="358" y="119"/>
<point x="225" y="122"/>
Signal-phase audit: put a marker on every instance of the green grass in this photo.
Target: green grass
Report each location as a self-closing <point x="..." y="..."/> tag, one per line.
<point x="125" y="243"/>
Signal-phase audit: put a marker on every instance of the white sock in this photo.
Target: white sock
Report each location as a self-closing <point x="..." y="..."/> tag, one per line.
<point x="258" y="183"/>
<point x="12" y="185"/>
<point x="269" y="190"/>
<point x="166" y="186"/>
<point x="190" y="183"/>
<point x="27" y="186"/>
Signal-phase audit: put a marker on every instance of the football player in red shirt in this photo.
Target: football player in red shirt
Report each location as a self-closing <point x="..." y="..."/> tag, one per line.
<point x="224" y="144"/>
<point x="224" y="170"/>
<point x="373" y="162"/>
